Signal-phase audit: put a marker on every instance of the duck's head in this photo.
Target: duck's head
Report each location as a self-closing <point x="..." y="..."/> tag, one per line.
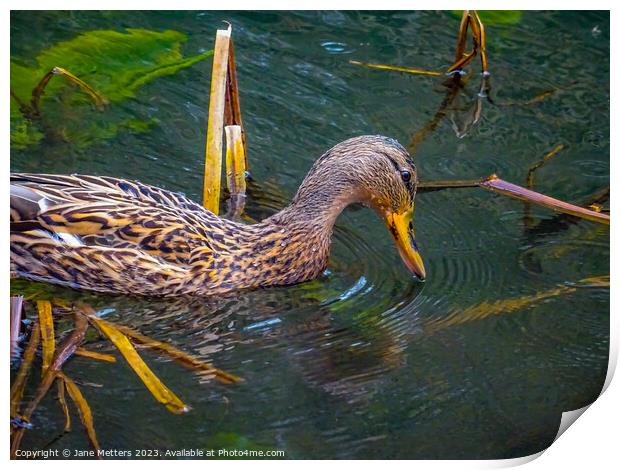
<point x="376" y="171"/>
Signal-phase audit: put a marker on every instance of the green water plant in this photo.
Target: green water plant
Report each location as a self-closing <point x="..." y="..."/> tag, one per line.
<point x="495" y="17"/>
<point x="108" y="68"/>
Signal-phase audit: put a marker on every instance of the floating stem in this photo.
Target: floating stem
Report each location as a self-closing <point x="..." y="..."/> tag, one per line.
<point x="500" y="186"/>
<point x="495" y="184"/>
<point x="46" y="323"/>
<point x="17" y="388"/>
<point x="38" y="91"/>
<point x="397" y="69"/>
<point x="86" y="415"/>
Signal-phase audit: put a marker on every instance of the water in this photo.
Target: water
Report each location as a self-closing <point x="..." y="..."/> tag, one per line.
<point x="364" y="362"/>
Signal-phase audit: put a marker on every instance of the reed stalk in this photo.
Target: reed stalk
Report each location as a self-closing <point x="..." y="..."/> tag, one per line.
<point x="235" y="170"/>
<point x="215" y="124"/>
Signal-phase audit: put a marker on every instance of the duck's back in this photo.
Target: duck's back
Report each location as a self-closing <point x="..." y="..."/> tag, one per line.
<point x="105" y="234"/>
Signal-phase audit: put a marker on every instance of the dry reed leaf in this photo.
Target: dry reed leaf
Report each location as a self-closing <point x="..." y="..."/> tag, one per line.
<point x="180" y="356"/>
<point x="63" y="404"/>
<point x="83" y="409"/>
<point x="46" y="323"/>
<point x="95" y="355"/>
<point x="397" y="69"/>
<point x="159" y="391"/>
<point x="17" y="388"/>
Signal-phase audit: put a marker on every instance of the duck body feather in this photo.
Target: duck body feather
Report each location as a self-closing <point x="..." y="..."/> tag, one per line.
<point x="113" y="235"/>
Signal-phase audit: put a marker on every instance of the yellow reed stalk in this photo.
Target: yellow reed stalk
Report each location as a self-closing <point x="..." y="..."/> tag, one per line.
<point x="86" y="415"/>
<point x="38" y="91"/>
<point x="17" y="388"/>
<point x="232" y="109"/>
<point x="95" y="355"/>
<point x="215" y="125"/>
<point x="480" y="37"/>
<point x="235" y="169"/>
<point x="397" y="69"/>
<point x="552" y="153"/>
<point x="157" y="388"/>
<point x="60" y="384"/>
<point x="180" y="356"/>
<point x="46" y="324"/>
<point x="461" y="40"/>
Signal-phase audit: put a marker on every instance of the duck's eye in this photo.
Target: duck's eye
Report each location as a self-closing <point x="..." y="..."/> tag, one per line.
<point x="405" y="175"/>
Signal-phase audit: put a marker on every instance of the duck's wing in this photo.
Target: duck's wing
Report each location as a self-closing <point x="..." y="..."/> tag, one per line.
<point x="114" y="213"/>
<point x="109" y="235"/>
<point x="74" y="188"/>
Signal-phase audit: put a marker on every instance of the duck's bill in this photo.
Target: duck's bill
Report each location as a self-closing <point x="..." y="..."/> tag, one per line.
<point x="401" y="227"/>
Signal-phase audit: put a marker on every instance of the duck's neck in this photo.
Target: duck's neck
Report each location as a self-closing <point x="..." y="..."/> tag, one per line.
<point x="319" y="202"/>
<point x="297" y="246"/>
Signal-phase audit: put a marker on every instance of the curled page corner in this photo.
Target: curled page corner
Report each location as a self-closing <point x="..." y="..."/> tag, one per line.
<point x="568" y="418"/>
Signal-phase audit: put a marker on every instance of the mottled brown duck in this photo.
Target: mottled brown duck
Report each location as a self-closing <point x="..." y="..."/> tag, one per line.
<point x="112" y="235"/>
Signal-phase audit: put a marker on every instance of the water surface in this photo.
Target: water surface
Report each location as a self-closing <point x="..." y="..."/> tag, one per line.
<point x="364" y="362"/>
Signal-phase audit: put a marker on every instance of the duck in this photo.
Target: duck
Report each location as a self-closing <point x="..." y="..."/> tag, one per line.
<point x="117" y="236"/>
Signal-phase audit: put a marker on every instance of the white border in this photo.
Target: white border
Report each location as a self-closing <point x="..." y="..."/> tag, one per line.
<point x="592" y="442"/>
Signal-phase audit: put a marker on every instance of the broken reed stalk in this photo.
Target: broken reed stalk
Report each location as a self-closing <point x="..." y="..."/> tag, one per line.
<point x="517" y="192"/>
<point x="34" y="110"/>
<point x="497" y="185"/>
<point x="232" y="109"/>
<point x="461" y="40"/>
<point x="215" y="124"/>
<point x="552" y="153"/>
<point x="528" y="220"/>
<point x="470" y="19"/>
<point x="478" y="34"/>
<point x="235" y="170"/>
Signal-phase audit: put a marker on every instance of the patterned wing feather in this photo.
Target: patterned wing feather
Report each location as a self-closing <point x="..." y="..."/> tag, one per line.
<point x="104" y="233"/>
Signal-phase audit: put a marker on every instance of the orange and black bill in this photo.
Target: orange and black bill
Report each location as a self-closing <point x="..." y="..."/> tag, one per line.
<point x="401" y="226"/>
